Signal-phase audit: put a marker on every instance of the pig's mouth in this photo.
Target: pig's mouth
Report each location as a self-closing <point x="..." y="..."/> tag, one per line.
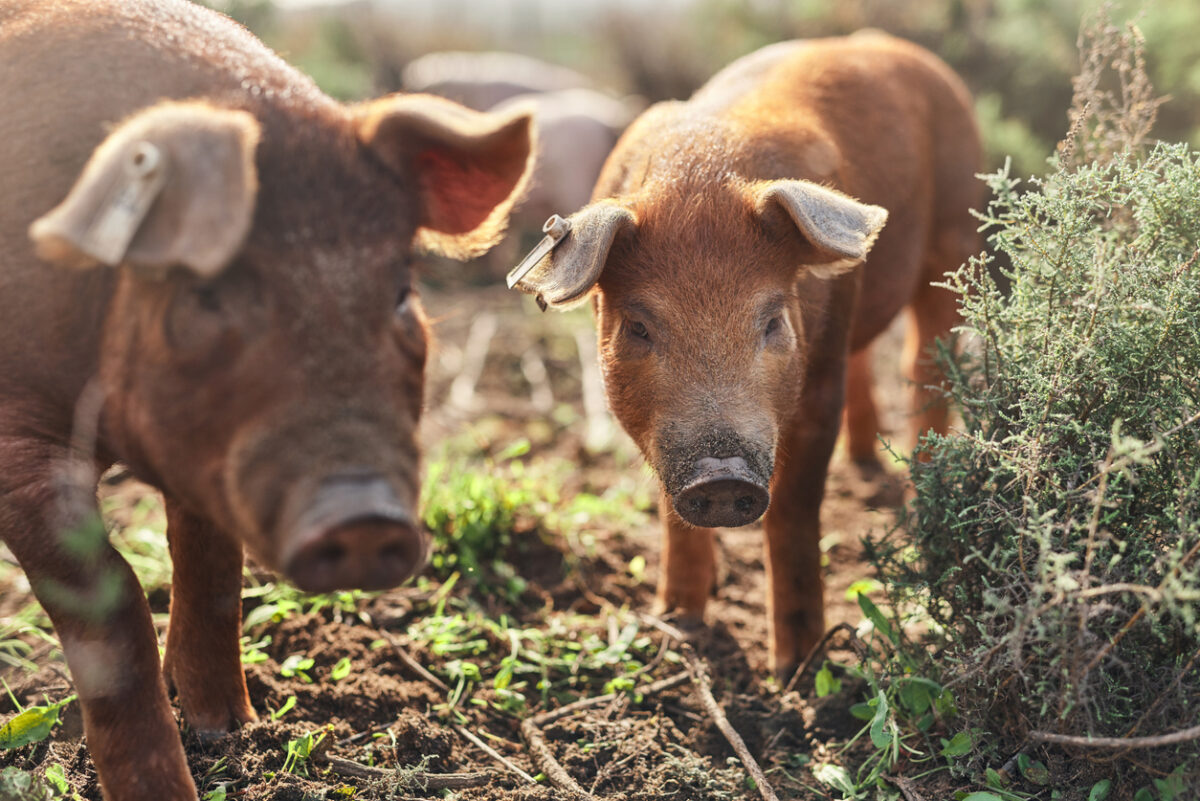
<point x="722" y="493"/>
<point x="354" y="533"/>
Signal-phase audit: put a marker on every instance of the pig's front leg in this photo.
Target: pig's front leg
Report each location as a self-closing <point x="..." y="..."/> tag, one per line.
<point x="203" y="656"/>
<point x="101" y="616"/>
<point x="795" y="591"/>
<point x="688" y="570"/>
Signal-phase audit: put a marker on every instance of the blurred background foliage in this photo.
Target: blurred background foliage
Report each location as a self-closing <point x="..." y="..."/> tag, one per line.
<point x="1017" y="56"/>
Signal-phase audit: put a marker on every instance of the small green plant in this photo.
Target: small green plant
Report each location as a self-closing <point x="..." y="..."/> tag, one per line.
<point x="1054" y="537"/>
<point x="32" y="724"/>
<point x="341" y="670"/>
<point x="473" y="511"/>
<point x="300" y="750"/>
<point x="297" y="666"/>
<point x="284" y="708"/>
<point x="20" y="785"/>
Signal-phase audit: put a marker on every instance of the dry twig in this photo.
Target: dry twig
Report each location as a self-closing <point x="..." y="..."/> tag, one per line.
<point x="699" y="673"/>
<point x="416" y="667"/>
<point x="472" y="738"/>
<point x="906" y="787"/>
<point x="426" y="781"/>
<point x="1156" y="741"/>
<point x="544" y="757"/>
<point x="819" y="648"/>
<point x="598" y="700"/>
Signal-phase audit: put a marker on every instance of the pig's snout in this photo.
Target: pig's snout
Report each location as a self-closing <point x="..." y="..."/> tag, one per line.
<point x="722" y="492"/>
<point x="354" y="534"/>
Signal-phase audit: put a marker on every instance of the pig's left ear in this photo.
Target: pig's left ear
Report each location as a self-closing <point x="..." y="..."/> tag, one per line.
<point x="563" y="276"/>
<point x="469" y="167"/>
<point x="175" y="184"/>
<point x="838" y="229"/>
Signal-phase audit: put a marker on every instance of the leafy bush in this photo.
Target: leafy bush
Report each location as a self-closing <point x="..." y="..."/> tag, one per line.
<point x="1054" y="539"/>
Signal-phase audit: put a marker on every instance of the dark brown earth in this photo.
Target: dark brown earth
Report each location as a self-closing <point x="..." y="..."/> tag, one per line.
<point x="661" y="746"/>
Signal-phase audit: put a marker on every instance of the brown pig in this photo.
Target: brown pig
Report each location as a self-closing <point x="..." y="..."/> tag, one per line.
<point x="726" y="252"/>
<point x="204" y="274"/>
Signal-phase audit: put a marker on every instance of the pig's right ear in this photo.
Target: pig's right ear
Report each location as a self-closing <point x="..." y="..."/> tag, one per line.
<point x="172" y="185"/>
<point x="838" y="230"/>
<point x="563" y="277"/>
<point x="469" y="167"/>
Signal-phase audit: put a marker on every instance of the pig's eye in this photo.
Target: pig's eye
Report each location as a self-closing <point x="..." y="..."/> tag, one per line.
<point x="773" y="325"/>
<point x="207" y="298"/>
<point x="639" y="330"/>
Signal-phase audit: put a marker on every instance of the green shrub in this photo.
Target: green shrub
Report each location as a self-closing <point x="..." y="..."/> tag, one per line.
<point x="1054" y="538"/>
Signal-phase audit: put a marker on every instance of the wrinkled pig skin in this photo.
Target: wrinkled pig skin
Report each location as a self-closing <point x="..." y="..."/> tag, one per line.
<point x="726" y="254"/>
<point x="248" y="342"/>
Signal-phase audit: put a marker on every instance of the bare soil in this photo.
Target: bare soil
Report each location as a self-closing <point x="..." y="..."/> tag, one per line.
<point x="661" y="746"/>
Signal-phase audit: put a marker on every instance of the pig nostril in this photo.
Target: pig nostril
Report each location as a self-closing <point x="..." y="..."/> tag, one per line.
<point x="745" y="503"/>
<point x="331" y="553"/>
<point x="394" y="552"/>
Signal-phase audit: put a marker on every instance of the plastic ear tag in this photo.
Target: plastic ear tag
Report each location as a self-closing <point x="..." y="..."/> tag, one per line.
<point x="108" y="238"/>
<point x="556" y="229"/>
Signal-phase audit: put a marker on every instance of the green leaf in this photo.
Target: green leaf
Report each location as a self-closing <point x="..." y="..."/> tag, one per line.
<point x="825" y="683"/>
<point x="637" y="567"/>
<point x="341" y="670"/>
<point x="982" y="796"/>
<point x="877" y="619"/>
<point x="518" y="448"/>
<point x="917" y="694"/>
<point x="1036" y="772"/>
<point x="994" y="779"/>
<point x="296" y="665"/>
<point x="958" y="745"/>
<point x="283" y="710"/>
<point x="58" y="777"/>
<point x="1100" y="790"/>
<point x="861" y="587"/>
<point x="863" y="711"/>
<point x="31" y="726"/>
<point x="1144" y="794"/>
<point x="834" y="776"/>
<point x="503" y="677"/>
<point x="881" y="738"/>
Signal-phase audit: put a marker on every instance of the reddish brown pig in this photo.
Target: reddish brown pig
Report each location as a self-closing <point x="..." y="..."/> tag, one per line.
<point x="726" y="253"/>
<point x="205" y="264"/>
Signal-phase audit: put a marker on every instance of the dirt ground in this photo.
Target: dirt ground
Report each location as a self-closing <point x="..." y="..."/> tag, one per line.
<point x="384" y="712"/>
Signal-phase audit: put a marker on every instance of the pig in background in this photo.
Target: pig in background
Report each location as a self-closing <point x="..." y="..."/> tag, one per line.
<point x="482" y="80"/>
<point x="205" y="274"/>
<point x="738" y="260"/>
<point x="577" y="126"/>
<point x="577" y="129"/>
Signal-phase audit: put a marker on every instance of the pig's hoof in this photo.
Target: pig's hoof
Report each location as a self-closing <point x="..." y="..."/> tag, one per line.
<point x="210" y="728"/>
<point x="689" y="624"/>
<point x="869" y="467"/>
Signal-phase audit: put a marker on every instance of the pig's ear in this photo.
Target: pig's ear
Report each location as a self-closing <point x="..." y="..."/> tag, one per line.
<point x="563" y="277"/>
<point x="838" y="229"/>
<point x="469" y="167"/>
<point x="173" y="185"/>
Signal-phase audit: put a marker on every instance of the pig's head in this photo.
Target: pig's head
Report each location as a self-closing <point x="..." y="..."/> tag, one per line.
<point x="263" y="349"/>
<point x="698" y="294"/>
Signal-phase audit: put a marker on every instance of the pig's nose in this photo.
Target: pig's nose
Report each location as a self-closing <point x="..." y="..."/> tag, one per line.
<point x="723" y="492"/>
<point x="355" y="534"/>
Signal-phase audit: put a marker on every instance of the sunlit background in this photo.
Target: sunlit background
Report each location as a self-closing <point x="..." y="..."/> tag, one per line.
<point x="1017" y="56"/>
